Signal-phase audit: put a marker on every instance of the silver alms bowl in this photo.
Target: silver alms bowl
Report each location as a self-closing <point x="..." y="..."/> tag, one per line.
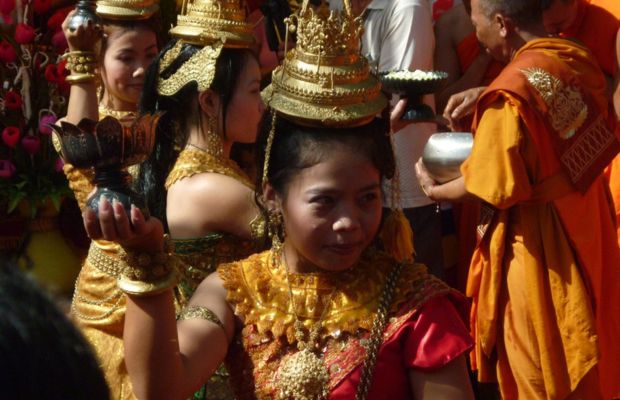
<point x="445" y="152"/>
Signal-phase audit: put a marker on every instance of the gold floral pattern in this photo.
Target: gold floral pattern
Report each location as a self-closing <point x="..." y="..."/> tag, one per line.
<point x="567" y="109"/>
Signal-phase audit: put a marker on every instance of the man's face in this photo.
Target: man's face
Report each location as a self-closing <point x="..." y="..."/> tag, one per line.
<point x="489" y="32"/>
<point x="560" y="16"/>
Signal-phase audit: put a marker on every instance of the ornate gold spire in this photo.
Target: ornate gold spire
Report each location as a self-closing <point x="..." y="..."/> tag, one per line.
<point x="127" y="9"/>
<point x="325" y="80"/>
<point x="203" y="22"/>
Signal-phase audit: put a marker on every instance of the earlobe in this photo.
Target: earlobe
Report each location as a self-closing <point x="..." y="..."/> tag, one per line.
<point x="270" y="197"/>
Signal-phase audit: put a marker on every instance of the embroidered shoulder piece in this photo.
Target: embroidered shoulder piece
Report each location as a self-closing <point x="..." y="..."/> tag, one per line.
<point x="260" y="295"/>
<point x="192" y="161"/>
<point x="567" y="109"/>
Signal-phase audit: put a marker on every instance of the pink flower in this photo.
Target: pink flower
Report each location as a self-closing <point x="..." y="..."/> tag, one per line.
<point x="7" y="52"/>
<point x="59" y="164"/>
<point x="41" y="6"/>
<point x="7" y="169"/>
<point x="32" y="144"/>
<point x="10" y="136"/>
<point x="7" y="6"/>
<point x="45" y="122"/>
<point x="12" y="100"/>
<point x="59" y="41"/>
<point x="24" y="33"/>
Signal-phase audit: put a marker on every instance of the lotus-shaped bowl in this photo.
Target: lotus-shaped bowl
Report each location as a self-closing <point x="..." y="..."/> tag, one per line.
<point x="413" y="85"/>
<point x="107" y="143"/>
<point x="445" y="152"/>
<point x="109" y="146"/>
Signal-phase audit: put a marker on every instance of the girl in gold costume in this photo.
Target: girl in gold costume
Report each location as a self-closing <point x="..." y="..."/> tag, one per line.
<point x="323" y="314"/>
<point x="202" y="81"/>
<point x="107" y="65"/>
<point x="206" y="81"/>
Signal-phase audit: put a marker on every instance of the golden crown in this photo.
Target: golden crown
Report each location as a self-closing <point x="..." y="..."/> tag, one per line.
<point x="325" y="80"/>
<point x="203" y="22"/>
<point x="127" y="9"/>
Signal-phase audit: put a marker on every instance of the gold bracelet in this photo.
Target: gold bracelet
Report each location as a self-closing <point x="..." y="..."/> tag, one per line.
<point x="199" y="312"/>
<point x="145" y="274"/>
<point x="81" y="78"/>
<point x="81" y="61"/>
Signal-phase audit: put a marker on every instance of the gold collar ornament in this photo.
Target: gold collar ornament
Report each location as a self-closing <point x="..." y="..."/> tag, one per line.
<point x="127" y="9"/>
<point x="303" y="375"/>
<point x="325" y="80"/>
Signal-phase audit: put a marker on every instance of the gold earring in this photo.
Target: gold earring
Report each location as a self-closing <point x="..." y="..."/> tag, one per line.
<point x="214" y="141"/>
<point x="275" y="231"/>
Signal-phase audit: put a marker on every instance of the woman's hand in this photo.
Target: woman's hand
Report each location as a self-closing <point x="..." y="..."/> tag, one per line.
<point x="84" y="38"/>
<point x="114" y="225"/>
<point x="461" y="105"/>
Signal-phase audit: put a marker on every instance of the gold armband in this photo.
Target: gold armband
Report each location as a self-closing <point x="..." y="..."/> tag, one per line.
<point x="145" y="274"/>
<point x="199" y="312"/>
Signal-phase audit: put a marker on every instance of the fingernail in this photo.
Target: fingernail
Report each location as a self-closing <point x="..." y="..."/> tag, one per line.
<point x="104" y="204"/>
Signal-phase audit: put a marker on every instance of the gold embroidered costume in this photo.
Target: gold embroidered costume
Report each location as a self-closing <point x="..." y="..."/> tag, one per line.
<point x="347" y="303"/>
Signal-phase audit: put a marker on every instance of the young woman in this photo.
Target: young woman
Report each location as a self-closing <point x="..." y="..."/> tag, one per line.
<point x="202" y="86"/>
<point x="311" y="318"/>
<point x="107" y="65"/>
<point x="190" y="171"/>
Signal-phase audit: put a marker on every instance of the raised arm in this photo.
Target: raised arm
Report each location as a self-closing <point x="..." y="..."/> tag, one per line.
<point x="83" y="95"/>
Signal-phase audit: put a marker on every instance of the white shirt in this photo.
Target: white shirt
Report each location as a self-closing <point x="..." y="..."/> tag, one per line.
<point x="398" y="34"/>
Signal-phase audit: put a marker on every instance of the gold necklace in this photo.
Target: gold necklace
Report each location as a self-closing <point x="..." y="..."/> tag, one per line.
<point x="304" y="375"/>
<point x="120" y="115"/>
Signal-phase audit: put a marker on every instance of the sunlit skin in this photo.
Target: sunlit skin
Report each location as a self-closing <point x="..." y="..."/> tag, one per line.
<point x="129" y="53"/>
<point x="331" y="211"/>
<point x="207" y="191"/>
<point x="560" y="15"/>
<point x="491" y="32"/>
<point x="246" y="106"/>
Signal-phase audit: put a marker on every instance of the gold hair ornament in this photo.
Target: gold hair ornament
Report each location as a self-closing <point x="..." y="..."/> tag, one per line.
<point x="200" y="68"/>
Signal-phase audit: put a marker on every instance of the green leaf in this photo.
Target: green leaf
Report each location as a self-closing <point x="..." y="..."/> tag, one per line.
<point x="56" y="197"/>
<point x="15" y="201"/>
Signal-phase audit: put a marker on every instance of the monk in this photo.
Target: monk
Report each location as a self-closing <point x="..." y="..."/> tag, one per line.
<point x="458" y="53"/>
<point x="544" y="276"/>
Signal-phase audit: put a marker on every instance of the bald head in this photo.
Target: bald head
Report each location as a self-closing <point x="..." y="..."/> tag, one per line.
<point x="523" y="13"/>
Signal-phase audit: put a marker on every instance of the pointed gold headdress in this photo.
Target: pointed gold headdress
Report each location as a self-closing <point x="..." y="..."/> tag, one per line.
<point x="325" y="80"/>
<point x="127" y="9"/>
<point x="203" y="22"/>
<point x="212" y="24"/>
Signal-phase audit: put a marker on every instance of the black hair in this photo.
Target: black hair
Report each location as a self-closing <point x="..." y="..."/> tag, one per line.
<point x="522" y="12"/>
<point x="296" y="147"/>
<point x="179" y="112"/>
<point x="42" y="354"/>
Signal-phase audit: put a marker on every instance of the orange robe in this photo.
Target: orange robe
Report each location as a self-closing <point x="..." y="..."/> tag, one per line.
<point x="466" y="214"/>
<point x="546" y="312"/>
<point x="596" y="26"/>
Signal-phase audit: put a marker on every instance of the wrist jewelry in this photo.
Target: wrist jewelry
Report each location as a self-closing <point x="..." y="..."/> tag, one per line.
<point x="82" y="65"/>
<point x="145" y="274"/>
